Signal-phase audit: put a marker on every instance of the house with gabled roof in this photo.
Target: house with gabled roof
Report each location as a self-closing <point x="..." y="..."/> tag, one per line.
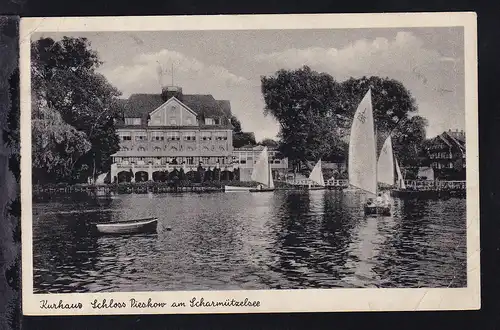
<point x="446" y="155"/>
<point x="160" y="133"/>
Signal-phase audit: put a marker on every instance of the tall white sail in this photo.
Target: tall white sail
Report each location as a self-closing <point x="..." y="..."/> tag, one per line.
<point x="362" y="152"/>
<point x="260" y="171"/>
<point x="271" y="181"/>
<point x="316" y="175"/>
<point x="385" y="165"/>
<point x="401" y="181"/>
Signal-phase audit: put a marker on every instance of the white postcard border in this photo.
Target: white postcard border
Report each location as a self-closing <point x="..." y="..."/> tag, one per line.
<point x="307" y="300"/>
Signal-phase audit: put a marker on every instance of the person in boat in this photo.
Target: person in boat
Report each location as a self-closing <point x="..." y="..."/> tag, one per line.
<point x="386" y="199"/>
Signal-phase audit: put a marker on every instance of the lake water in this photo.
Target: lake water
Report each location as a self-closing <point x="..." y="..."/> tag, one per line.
<point x="222" y="241"/>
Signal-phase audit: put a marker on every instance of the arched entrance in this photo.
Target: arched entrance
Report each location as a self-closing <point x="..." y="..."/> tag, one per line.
<point x="141" y="176"/>
<point x="226" y="176"/>
<point x="159" y="176"/>
<point x="124" y="176"/>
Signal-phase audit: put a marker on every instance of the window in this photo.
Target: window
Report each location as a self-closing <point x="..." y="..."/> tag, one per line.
<point x="157" y="136"/>
<point x="141" y="149"/>
<point x="209" y="121"/>
<point x="206" y="136"/>
<point x="141" y="136"/>
<point x="220" y="136"/>
<point x="125" y="136"/>
<point x="157" y="149"/>
<point x="173" y="136"/>
<point x="132" y="121"/>
<point x="189" y="136"/>
<point x="124" y="149"/>
<point x="190" y="160"/>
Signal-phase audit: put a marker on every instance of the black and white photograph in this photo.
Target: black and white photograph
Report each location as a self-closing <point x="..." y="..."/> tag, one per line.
<point x="188" y="164"/>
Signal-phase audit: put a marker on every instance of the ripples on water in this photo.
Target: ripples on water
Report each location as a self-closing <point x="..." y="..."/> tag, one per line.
<point x="220" y="241"/>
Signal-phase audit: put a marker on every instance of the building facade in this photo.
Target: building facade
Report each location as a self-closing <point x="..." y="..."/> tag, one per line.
<point x="445" y="154"/>
<point x="163" y="134"/>
<point x="172" y="131"/>
<point x="246" y="157"/>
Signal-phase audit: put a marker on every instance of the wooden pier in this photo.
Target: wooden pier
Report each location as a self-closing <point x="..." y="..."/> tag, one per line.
<point x="115" y="189"/>
<point x="413" y="188"/>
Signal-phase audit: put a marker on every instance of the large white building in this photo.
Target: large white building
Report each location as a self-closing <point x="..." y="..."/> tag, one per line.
<point x="167" y="132"/>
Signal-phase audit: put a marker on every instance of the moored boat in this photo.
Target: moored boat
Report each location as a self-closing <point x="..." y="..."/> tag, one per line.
<point x="262" y="190"/>
<point x="316" y="179"/>
<point x="236" y="189"/>
<point x="137" y="226"/>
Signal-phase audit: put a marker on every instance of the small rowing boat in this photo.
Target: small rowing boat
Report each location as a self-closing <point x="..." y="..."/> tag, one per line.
<point x="137" y="226"/>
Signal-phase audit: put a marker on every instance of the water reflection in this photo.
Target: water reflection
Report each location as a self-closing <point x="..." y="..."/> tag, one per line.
<point x="280" y="240"/>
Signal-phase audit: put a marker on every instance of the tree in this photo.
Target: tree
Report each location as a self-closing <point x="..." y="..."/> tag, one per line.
<point x="315" y="112"/>
<point x="64" y="77"/>
<point x="392" y="103"/>
<point x="302" y="101"/>
<point x="57" y="146"/>
<point x="269" y="143"/>
<point x="243" y="138"/>
<point x="408" y="140"/>
<point x="236" y="124"/>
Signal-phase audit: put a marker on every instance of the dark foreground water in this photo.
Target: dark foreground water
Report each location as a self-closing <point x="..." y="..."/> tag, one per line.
<point x="219" y="241"/>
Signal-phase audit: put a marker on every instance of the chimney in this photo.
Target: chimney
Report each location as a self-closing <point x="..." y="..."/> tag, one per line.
<point x="168" y="92"/>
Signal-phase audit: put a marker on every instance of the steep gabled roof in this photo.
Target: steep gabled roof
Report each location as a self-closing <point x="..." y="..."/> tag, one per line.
<point x="141" y="105"/>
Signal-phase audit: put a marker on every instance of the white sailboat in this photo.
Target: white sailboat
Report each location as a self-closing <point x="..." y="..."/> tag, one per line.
<point x="385" y="164"/>
<point x="363" y="163"/>
<point x="401" y="181"/>
<point x="316" y="177"/>
<point x="262" y="173"/>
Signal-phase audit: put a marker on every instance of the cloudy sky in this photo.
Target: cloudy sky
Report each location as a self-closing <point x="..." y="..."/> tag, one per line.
<point x="228" y="64"/>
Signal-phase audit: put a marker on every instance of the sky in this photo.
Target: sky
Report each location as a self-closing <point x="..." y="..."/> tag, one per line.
<point x="229" y="64"/>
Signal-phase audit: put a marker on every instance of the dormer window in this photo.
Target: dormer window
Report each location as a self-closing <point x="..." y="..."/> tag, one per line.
<point x="132" y="121"/>
<point x="209" y="121"/>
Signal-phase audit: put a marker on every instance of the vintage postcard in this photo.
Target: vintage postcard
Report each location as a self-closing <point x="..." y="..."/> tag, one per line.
<point x="249" y="164"/>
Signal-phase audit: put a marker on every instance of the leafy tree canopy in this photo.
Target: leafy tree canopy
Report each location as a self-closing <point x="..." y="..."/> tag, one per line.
<point x="269" y="143"/>
<point x="243" y="139"/>
<point x="65" y="80"/>
<point x="315" y="112"/>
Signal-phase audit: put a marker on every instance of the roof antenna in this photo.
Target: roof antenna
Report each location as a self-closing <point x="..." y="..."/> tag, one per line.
<point x="159" y="70"/>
